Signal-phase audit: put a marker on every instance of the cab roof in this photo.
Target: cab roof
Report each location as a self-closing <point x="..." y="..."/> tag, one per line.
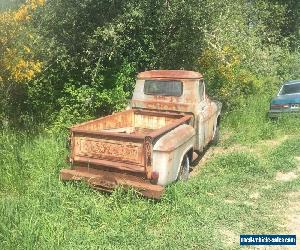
<point x="169" y="74"/>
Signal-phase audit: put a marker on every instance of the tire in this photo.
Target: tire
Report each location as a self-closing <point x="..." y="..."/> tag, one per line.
<point x="184" y="170"/>
<point x="216" y="137"/>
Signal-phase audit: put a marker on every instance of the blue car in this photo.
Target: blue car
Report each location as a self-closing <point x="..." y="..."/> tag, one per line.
<point x="287" y="100"/>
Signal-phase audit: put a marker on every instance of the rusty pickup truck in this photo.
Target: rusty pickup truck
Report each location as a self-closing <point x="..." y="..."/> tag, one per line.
<point x="152" y="143"/>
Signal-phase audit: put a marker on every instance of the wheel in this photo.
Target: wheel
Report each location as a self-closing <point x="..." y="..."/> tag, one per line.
<point x="184" y="170"/>
<point x="216" y="137"/>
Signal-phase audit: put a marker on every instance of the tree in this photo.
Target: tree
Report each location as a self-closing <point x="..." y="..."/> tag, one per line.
<point x="18" y="63"/>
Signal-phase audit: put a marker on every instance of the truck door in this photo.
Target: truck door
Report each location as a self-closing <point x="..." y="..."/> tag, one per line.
<point x="206" y="122"/>
<point x="209" y="114"/>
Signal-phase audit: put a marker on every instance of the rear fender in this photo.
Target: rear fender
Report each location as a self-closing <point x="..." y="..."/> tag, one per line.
<point x="169" y="150"/>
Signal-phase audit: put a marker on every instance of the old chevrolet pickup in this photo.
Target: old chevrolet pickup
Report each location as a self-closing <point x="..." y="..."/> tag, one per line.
<point x="152" y="143"/>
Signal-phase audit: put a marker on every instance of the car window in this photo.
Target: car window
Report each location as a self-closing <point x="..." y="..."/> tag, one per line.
<point x="290" y="89"/>
<point x="163" y="87"/>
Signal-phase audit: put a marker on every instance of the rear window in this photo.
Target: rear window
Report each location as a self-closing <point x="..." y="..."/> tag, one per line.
<point x="290" y="89"/>
<point x="163" y="87"/>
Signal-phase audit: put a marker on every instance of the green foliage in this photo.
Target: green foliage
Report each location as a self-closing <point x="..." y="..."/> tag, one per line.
<point x="89" y="70"/>
<point x="249" y="123"/>
<point x="90" y="52"/>
<point x="10" y="4"/>
<point x="253" y="55"/>
<point x="19" y="63"/>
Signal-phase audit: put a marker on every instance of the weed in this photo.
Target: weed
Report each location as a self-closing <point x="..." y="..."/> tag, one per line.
<point x="227" y="197"/>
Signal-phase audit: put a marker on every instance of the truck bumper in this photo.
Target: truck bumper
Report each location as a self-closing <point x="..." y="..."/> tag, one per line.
<point x="108" y="181"/>
<point x="276" y="114"/>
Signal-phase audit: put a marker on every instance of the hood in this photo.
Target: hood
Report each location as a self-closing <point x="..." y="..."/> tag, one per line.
<point x="285" y="99"/>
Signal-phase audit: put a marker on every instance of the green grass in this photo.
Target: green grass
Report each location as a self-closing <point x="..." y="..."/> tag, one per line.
<point x="249" y="123"/>
<point x="210" y="211"/>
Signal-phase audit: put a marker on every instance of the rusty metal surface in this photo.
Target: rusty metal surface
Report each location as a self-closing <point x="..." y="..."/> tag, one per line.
<point x="109" y="164"/>
<point x="170" y="74"/>
<point x="123" y="119"/>
<point x="188" y="102"/>
<point x="175" y="138"/>
<point x="169" y="150"/>
<point x="148" y="141"/>
<point x="193" y="101"/>
<point x="114" y="150"/>
<point x="108" y="181"/>
<point x="163" y="130"/>
<point x="123" y="148"/>
<point x="148" y="156"/>
<point x="129" y="118"/>
<point x="104" y="134"/>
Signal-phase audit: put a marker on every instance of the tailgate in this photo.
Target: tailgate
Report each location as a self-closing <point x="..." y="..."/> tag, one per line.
<point x="111" y="150"/>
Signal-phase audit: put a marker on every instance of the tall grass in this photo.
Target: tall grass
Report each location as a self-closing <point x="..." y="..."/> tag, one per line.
<point x="209" y="211"/>
<point x="250" y="123"/>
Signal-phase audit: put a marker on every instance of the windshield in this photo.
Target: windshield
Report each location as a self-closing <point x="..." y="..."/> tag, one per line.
<point x="163" y="87"/>
<point x="290" y="89"/>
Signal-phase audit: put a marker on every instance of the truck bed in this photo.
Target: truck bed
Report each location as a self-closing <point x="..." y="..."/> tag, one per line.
<point x="120" y="143"/>
<point x="131" y="122"/>
<point x="121" y="140"/>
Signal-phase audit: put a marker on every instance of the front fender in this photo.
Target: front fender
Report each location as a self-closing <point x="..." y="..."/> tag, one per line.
<point x="169" y="151"/>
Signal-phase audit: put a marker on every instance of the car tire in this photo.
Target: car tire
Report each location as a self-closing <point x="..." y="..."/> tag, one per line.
<point x="184" y="170"/>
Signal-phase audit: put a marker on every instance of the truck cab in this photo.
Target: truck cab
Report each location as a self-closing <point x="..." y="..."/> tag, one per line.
<point x="183" y="92"/>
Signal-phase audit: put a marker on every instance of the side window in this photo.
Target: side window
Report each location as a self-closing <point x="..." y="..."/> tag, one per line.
<point x="201" y="90"/>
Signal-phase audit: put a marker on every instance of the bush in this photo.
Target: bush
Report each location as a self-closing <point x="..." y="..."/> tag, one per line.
<point x="64" y="61"/>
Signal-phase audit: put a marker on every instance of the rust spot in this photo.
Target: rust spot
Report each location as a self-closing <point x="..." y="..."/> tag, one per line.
<point x="107" y="181"/>
<point x="170" y="74"/>
<point x="148" y="156"/>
